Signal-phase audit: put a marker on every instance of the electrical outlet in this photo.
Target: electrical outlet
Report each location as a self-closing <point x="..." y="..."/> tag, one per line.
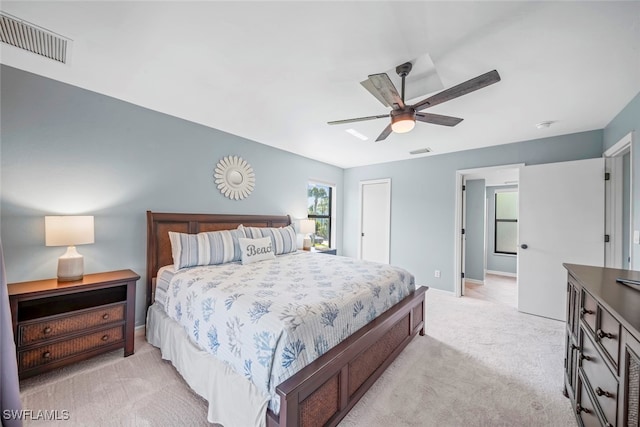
<point x="436" y="273"/>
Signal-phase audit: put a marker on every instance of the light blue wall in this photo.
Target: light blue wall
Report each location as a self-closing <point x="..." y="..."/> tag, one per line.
<point x="626" y="121"/>
<point x="497" y="262"/>
<point x="474" y="229"/>
<point x="66" y="150"/>
<point x="423" y="193"/>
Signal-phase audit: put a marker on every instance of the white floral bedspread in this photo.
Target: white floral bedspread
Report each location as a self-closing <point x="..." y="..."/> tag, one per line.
<point x="270" y="319"/>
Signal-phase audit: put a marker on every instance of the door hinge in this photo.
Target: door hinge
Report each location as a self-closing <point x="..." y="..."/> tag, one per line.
<point x="607" y="176"/>
<point x="606" y="238"/>
<point x="464" y="187"/>
<point x="462" y="274"/>
<point x="463" y="231"/>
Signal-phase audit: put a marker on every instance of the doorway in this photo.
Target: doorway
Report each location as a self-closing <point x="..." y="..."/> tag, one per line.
<point x="618" y="206"/>
<point x="478" y="261"/>
<point x="561" y="220"/>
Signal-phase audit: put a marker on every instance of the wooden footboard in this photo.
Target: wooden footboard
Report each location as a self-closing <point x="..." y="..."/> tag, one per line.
<point x="323" y="392"/>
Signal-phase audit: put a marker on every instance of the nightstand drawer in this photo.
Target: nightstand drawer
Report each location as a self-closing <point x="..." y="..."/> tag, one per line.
<point x="58" y="325"/>
<point x="48" y="353"/>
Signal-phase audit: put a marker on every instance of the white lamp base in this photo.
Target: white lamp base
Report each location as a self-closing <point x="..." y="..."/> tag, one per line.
<point x="306" y="243"/>
<point x="70" y="266"/>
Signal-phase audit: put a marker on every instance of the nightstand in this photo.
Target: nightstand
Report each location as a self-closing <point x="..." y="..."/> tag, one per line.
<point x="59" y="323"/>
<point x="327" y="251"/>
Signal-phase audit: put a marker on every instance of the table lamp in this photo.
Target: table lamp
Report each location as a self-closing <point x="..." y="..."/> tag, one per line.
<point x="69" y="231"/>
<point x="307" y="226"/>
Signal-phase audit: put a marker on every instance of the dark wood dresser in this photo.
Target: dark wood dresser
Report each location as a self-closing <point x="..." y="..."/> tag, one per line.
<point x="58" y="323"/>
<point x="602" y="353"/>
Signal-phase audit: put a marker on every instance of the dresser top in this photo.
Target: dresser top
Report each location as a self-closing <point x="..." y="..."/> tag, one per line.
<point x="54" y="286"/>
<point x="620" y="300"/>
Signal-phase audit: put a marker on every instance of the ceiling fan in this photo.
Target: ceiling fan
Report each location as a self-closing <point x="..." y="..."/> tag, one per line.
<point x="403" y="117"/>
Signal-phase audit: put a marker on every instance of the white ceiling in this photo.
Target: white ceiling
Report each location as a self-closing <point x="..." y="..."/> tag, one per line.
<point x="276" y="72"/>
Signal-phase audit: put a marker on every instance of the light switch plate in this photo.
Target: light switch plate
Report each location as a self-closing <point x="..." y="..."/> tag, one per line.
<point x="636" y="237"/>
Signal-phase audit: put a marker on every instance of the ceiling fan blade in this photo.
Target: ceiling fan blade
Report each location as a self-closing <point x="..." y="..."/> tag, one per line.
<point x="385" y="133"/>
<point x="437" y="119"/>
<point x="462" y="89"/>
<point x="381" y="86"/>
<point x="358" y="119"/>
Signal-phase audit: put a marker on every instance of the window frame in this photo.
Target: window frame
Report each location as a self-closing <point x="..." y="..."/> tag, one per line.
<point x="496" y="221"/>
<point x="330" y="209"/>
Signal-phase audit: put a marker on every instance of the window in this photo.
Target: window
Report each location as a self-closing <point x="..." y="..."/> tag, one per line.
<point x="506" y="222"/>
<point x="320" y="209"/>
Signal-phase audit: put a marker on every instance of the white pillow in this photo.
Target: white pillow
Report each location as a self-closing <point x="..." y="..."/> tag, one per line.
<point x="254" y="250"/>
<point x="284" y="239"/>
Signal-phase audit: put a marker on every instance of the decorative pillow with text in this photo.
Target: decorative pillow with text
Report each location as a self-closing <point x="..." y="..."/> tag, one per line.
<point x="254" y="250"/>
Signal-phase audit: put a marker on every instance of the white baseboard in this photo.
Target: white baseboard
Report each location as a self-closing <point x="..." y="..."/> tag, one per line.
<point x="501" y="273"/>
<point x="139" y="331"/>
<point x="474" y="281"/>
<point x="441" y="291"/>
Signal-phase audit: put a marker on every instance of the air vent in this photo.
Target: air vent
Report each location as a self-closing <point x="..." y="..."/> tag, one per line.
<point x="420" y="151"/>
<point x="32" y="38"/>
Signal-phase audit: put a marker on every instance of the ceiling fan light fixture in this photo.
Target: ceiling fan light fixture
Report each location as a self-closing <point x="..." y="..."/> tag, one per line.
<point x="403" y="121"/>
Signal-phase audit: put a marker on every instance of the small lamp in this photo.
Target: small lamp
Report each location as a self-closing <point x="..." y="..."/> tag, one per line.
<point x="69" y="231"/>
<point x="307" y="226"/>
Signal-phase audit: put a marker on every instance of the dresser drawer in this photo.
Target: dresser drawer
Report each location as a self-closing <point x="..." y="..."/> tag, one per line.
<point x="55" y="351"/>
<point x="588" y="310"/>
<point x="55" y="326"/>
<point x="604" y="384"/>
<point x="608" y="335"/>
<point x="585" y="409"/>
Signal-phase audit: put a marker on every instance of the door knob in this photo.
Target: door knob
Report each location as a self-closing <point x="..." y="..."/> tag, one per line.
<point x="524" y="246"/>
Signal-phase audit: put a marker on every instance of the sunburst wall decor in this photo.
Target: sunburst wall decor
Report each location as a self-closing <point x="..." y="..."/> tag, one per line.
<point x="234" y="177"/>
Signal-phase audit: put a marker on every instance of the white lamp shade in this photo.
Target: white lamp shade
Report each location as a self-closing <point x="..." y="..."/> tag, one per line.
<point x="68" y="230"/>
<point x="307" y="226"/>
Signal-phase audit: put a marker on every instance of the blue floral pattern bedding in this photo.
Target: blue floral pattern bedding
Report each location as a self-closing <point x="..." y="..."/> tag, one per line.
<point x="269" y="319"/>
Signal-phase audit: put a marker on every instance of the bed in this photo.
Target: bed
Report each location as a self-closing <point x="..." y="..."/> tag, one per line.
<point x="321" y="392"/>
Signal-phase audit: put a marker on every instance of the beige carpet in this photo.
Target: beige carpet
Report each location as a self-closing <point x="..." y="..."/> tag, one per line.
<point x="481" y="364"/>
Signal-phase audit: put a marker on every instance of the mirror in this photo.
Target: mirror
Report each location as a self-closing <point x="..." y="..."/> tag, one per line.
<point x="234" y="177"/>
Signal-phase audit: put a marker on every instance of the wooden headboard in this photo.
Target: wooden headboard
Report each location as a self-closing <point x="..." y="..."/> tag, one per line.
<point x="159" y="225"/>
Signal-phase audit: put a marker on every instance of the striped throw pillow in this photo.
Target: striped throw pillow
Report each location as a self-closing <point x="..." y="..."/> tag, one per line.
<point x="208" y="248"/>
<point x="284" y="238"/>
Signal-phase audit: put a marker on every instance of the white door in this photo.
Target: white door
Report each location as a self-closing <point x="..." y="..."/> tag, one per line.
<point x="375" y="217"/>
<point x="561" y="220"/>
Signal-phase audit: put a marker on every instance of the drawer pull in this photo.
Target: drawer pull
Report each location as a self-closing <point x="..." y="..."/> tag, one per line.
<point x="46" y="355"/>
<point x="105" y="337"/>
<point x="105" y="316"/>
<point x="579" y="409"/>
<point x="602" y="334"/>
<point x="584" y="311"/>
<point x="601" y="392"/>
<point x="46" y="330"/>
